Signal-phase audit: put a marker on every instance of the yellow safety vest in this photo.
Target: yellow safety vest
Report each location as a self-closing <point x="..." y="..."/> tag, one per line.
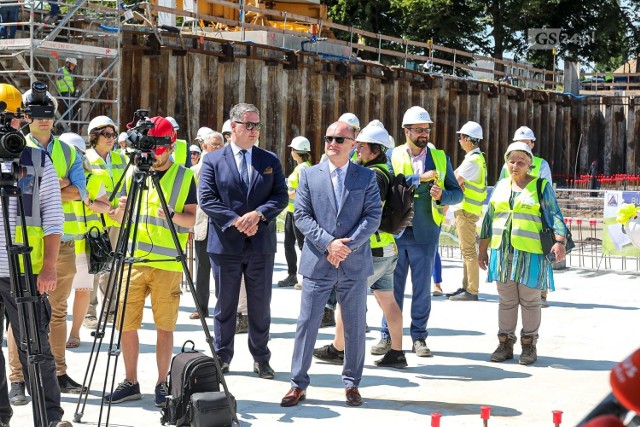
<point x="63" y="155"/>
<point x="87" y="218"/>
<point x="525" y="219"/>
<point x="294" y="180"/>
<point x="380" y="239"/>
<point x="476" y="191"/>
<point x="401" y="162"/>
<point x="34" y="167"/>
<point x="180" y="152"/>
<point x="154" y="241"/>
<point x="118" y="165"/>
<point x="65" y="84"/>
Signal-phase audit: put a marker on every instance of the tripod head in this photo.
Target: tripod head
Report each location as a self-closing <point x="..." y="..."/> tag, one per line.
<point x="12" y="143"/>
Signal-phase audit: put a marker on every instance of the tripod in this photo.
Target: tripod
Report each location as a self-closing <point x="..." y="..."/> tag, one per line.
<point x="27" y="298"/>
<point x="127" y="244"/>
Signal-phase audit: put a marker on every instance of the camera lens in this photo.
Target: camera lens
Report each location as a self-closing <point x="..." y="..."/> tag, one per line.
<point x="11" y="145"/>
<point x="147" y="143"/>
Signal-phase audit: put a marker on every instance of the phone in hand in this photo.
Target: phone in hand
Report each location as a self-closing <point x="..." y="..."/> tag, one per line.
<point x="551" y="257"/>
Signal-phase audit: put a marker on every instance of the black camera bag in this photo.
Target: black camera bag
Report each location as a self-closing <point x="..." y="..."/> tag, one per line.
<point x="210" y="409"/>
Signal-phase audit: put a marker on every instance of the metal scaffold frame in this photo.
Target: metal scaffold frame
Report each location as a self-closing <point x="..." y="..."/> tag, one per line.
<point x="89" y="31"/>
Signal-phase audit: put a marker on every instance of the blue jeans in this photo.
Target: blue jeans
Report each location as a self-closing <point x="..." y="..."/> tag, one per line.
<point x="420" y="257"/>
<point x="437" y="269"/>
<point x="9" y="14"/>
<point x="382" y="277"/>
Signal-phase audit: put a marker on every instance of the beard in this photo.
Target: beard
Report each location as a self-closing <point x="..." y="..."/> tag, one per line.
<point x="420" y="142"/>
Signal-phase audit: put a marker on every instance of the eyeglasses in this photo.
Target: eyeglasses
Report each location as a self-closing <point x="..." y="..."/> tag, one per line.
<point x="420" y="130"/>
<point x="109" y="134"/>
<point x="194" y="153"/>
<point x="251" y="125"/>
<point x="339" y="139"/>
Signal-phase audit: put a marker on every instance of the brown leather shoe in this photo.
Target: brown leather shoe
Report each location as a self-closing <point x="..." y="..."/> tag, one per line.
<point x="294" y="396"/>
<point x="353" y="396"/>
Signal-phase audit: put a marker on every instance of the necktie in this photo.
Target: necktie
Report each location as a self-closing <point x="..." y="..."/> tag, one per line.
<point x="244" y="170"/>
<point x="338" y="188"/>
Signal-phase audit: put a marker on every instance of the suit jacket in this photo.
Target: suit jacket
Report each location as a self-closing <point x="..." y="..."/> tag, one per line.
<point x="223" y="198"/>
<point x="317" y="217"/>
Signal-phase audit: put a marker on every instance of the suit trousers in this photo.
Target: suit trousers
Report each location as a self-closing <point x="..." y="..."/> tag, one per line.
<point x="203" y="274"/>
<point x="228" y="271"/>
<point x="47" y="366"/>
<point x="419" y="257"/>
<point x="352" y="294"/>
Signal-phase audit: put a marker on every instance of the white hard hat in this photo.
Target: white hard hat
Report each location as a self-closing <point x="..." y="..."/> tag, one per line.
<point x="74" y="140"/>
<point x="471" y="129"/>
<point x="375" y="122"/>
<point x="522" y="133"/>
<point x="518" y="146"/>
<point x="300" y="143"/>
<point x="374" y="135"/>
<point x="202" y="132"/>
<point x="194" y="148"/>
<point x="173" y="122"/>
<point x="73" y="61"/>
<point x="122" y="136"/>
<point x="415" y="115"/>
<point x="100" y="122"/>
<point x="226" y="127"/>
<point x="351" y="120"/>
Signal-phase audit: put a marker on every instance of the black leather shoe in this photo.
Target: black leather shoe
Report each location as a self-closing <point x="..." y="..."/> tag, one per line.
<point x="294" y="396"/>
<point x="263" y="370"/>
<point x="330" y="354"/>
<point x="67" y="385"/>
<point x="353" y="396"/>
<point x="457" y="292"/>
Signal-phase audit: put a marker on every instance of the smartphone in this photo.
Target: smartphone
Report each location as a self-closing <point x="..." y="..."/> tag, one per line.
<point x="551" y="257"/>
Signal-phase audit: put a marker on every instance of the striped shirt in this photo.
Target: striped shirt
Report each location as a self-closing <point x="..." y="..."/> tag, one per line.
<point x="50" y="211"/>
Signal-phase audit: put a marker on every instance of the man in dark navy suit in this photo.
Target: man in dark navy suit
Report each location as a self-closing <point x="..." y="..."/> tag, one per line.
<point x="242" y="190"/>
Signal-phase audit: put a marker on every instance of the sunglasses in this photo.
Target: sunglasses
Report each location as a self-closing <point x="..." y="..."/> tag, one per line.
<point x="420" y="130"/>
<point x="339" y="139"/>
<point x="251" y="125"/>
<point x="194" y="153"/>
<point x="109" y="134"/>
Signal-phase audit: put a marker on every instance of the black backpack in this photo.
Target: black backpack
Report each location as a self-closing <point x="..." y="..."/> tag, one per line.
<point x="397" y="212"/>
<point x="191" y="372"/>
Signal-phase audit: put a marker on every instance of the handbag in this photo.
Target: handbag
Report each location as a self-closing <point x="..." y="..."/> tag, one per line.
<point x="547" y="235"/>
<point x="98" y="247"/>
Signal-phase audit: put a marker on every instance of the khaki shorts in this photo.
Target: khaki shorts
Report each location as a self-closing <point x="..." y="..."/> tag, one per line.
<point x="164" y="288"/>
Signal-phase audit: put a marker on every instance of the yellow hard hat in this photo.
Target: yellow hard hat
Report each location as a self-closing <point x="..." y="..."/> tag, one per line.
<point x="11" y="96"/>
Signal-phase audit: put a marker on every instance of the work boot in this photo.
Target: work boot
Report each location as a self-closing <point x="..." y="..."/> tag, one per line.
<point x="504" y="350"/>
<point x="242" y="324"/>
<point x="529" y="353"/>
<point x="290" y="280"/>
<point x="328" y="318"/>
<point x="382" y="347"/>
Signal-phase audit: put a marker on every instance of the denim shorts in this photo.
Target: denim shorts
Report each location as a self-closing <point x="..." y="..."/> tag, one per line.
<point x="382" y="277"/>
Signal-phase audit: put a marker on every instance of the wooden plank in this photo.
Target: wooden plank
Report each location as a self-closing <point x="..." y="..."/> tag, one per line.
<point x="314" y="118"/>
<point x="632" y="158"/>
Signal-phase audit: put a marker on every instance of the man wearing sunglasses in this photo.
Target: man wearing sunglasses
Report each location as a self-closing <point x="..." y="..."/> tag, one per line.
<point x="242" y="190"/>
<point x="337" y="209"/>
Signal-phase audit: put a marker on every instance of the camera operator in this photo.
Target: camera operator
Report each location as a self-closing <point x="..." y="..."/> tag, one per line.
<point x="44" y="216"/>
<point x="161" y="278"/>
<point x="40" y="106"/>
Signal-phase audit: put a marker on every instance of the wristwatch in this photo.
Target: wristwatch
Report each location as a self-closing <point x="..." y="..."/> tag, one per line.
<point x="260" y="215"/>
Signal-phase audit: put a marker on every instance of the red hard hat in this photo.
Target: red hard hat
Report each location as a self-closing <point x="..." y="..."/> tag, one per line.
<point x="162" y="128"/>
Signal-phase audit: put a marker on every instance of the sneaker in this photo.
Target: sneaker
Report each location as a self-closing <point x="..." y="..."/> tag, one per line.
<point x="17" y="396"/>
<point x="382" y="347"/>
<point x="290" y="280"/>
<point x="126" y="390"/>
<point x="242" y="323"/>
<point x="457" y="292"/>
<point x="328" y="318"/>
<point x="420" y="348"/>
<point x="67" y="385"/>
<point x="464" y="296"/>
<point x="90" y="322"/>
<point x="392" y="359"/>
<point x="329" y="353"/>
<point x="224" y="367"/>
<point x="162" y="391"/>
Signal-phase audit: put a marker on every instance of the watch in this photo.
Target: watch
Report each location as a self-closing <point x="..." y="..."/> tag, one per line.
<point x="260" y="215"/>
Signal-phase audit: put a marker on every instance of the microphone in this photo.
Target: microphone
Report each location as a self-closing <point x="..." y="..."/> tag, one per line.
<point x="625" y="395"/>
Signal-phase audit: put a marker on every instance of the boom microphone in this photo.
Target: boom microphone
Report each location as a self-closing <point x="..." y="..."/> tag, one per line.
<point x="625" y="395"/>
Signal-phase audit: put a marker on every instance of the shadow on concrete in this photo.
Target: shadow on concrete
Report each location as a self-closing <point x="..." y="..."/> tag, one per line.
<point x="465" y="373"/>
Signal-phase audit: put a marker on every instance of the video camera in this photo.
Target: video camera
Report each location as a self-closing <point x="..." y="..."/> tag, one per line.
<point x="143" y="144"/>
<point x="38" y="103"/>
<point x="12" y="143"/>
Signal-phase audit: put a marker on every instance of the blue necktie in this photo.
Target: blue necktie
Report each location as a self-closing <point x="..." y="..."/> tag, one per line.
<point x="244" y="170"/>
<point x="338" y="188"/>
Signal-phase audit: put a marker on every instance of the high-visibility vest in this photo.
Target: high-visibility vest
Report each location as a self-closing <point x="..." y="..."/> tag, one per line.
<point x="401" y="162"/>
<point x="65" y="84"/>
<point x="33" y="161"/>
<point x="87" y="218"/>
<point x="380" y="239"/>
<point x="294" y="180"/>
<point x="476" y="191"/>
<point x="180" y="152"/>
<point x="154" y="241"/>
<point x="118" y="165"/>
<point x="63" y="155"/>
<point x="525" y="219"/>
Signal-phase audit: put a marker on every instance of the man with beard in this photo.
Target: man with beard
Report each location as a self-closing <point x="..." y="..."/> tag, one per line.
<point x="430" y="171"/>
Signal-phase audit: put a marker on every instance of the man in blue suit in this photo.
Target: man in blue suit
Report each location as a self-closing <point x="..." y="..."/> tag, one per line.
<point x="430" y="171"/>
<point x="337" y="208"/>
<point x="242" y="190"/>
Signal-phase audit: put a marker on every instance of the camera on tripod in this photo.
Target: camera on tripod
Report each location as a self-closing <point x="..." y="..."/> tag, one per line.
<point x="12" y="143"/>
<point x="143" y="144"/>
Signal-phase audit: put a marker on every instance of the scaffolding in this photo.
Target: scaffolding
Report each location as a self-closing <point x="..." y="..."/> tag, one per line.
<point x="90" y="32"/>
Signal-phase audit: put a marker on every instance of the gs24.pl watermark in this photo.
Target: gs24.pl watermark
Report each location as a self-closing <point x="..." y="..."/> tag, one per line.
<point x="552" y="38"/>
